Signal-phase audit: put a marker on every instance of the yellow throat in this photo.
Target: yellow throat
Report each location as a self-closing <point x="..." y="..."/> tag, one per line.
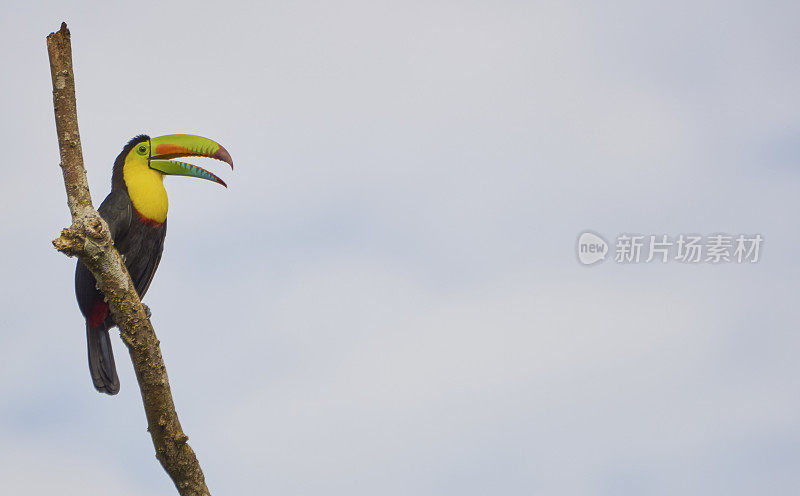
<point x="146" y="188"/>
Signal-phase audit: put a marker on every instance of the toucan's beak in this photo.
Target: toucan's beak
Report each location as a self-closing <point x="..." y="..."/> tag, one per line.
<point x="165" y="148"/>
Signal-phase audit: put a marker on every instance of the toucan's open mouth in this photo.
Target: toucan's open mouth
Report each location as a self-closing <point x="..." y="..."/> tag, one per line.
<point x="165" y="148"/>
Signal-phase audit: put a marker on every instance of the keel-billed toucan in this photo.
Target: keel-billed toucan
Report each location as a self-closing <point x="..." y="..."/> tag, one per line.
<point x="136" y="213"/>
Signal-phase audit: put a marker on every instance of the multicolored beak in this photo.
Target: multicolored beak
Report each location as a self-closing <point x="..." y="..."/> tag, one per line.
<point x="165" y="148"/>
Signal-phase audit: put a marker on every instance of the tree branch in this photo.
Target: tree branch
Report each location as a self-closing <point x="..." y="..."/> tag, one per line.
<point x="89" y="239"/>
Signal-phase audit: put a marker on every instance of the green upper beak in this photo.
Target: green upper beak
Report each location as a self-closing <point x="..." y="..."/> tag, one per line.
<point x="165" y="148"/>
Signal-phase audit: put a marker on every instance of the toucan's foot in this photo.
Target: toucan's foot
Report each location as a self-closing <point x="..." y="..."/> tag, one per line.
<point x="147" y="311"/>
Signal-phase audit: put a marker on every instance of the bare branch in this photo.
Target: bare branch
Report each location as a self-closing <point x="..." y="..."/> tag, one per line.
<point x="90" y="240"/>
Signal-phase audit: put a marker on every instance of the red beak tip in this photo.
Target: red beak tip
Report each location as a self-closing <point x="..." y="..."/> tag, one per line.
<point x="222" y="154"/>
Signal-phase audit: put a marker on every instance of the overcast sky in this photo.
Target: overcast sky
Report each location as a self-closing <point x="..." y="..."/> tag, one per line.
<point x="387" y="299"/>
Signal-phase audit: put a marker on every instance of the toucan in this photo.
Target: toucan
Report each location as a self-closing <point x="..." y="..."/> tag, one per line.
<point x="136" y="213"/>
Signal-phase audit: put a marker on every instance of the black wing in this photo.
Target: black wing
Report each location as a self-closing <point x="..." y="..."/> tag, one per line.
<point x="152" y="246"/>
<point x="139" y="243"/>
<point x="117" y="211"/>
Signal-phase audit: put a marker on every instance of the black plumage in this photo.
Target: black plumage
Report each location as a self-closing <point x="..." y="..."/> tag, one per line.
<point x="140" y="242"/>
<point x="137" y="183"/>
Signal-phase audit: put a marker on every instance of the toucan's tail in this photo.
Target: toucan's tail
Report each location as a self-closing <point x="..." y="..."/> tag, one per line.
<point x="101" y="360"/>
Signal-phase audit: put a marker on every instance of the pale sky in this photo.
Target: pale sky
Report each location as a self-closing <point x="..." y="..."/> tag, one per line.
<point x="386" y="299"/>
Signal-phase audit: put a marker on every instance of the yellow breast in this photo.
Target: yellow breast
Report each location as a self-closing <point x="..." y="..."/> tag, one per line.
<point x="146" y="189"/>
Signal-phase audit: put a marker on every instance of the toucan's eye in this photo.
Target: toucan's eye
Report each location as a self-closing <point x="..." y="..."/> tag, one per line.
<point x="142" y="150"/>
